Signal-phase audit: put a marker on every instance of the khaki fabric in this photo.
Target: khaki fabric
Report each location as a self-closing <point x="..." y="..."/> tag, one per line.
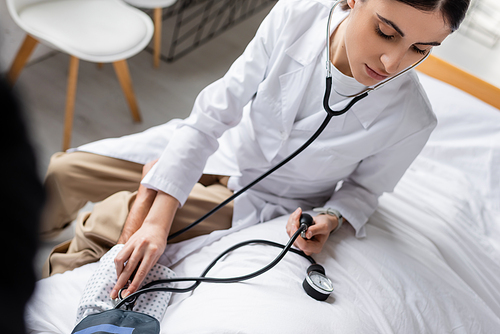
<point x="97" y="231"/>
<point x="73" y="179"/>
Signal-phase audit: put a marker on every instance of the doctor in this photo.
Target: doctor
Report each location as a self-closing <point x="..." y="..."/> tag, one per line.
<point x="267" y="105"/>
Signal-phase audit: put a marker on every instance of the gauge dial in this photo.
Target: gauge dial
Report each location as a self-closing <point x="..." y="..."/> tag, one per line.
<point x="317" y="285"/>
<point x="320" y="281"/>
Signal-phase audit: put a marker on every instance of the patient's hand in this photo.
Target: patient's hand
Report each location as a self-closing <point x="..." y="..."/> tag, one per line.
<point x="316" y="235"/>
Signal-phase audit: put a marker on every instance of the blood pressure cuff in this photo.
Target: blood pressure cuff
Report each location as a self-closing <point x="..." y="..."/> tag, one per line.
<point x="96" y="299"/>
<point x="118" y="321"/>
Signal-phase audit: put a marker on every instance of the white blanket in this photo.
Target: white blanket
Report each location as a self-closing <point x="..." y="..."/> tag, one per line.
<point x="430" y="263"/>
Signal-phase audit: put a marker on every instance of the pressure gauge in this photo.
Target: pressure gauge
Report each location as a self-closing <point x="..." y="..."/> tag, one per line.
<point x="316" y="284"/>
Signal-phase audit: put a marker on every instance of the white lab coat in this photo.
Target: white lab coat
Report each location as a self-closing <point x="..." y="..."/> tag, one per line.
<point x="257" y="114"/>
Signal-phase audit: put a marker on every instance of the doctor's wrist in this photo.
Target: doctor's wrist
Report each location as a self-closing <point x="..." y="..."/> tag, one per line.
<point x="334" y="215"/>
<point x="332" y="221"/>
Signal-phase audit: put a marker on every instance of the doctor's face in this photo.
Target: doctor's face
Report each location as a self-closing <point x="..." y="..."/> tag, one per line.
<point x="383" y="37"/>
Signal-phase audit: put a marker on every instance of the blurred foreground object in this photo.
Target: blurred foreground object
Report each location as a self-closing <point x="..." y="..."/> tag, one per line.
<point x="21" y="203"/>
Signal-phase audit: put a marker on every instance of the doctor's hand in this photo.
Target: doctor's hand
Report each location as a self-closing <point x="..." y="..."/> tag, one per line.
<point x="139" y="210"/>
<point x="143" y="249"/>
<point x="317" y="234"/>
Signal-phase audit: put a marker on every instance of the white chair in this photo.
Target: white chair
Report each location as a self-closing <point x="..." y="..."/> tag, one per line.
<point x="100" y="31"/>
<point x="157" y="6"/>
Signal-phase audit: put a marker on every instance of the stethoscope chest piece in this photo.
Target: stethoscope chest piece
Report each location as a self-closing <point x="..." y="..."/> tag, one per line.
<point x="317" y="284"/>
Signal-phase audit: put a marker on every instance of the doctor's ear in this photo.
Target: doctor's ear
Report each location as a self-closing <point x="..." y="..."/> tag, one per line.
<point x="351" y="3"/>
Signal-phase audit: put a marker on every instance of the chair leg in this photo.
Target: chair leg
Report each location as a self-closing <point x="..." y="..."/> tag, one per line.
<point x="123" y="74"/>
<point x="157" y="36"/>
<point x="70" y="102"/>
<point x="22" y="57"/>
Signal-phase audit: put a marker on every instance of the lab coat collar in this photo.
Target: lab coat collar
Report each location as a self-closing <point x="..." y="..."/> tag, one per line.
<point x="307" y="48"/>
<point x="304" y="52"/>
<point x="368" y="109"/>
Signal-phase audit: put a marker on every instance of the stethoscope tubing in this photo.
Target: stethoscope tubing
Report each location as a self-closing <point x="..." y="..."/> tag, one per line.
<point x="202" y="278"/>
<point x="330" y="113"/>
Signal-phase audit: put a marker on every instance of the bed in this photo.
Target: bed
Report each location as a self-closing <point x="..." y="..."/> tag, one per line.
<point x="430" y="263"/>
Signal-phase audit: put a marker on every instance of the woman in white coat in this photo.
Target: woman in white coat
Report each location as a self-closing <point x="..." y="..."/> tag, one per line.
<point x="269" y="103"/>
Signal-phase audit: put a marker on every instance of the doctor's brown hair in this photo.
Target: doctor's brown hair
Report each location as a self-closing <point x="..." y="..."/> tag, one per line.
<point x="453" y="10"/>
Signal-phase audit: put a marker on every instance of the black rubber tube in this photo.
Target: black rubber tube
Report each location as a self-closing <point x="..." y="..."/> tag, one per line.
<point x="330" y="113"/>
<point x="202" y="278"/>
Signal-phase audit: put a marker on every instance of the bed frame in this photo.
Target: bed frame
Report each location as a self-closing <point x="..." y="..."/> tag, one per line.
<point x="444" y="71"/>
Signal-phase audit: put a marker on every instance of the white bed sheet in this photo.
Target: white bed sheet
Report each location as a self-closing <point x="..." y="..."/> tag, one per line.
<point x="430" y="263"/>
<point x="467" y="137"/>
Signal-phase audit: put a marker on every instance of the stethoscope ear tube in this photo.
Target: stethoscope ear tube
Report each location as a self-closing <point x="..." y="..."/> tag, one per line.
<point x="329" y="66"/>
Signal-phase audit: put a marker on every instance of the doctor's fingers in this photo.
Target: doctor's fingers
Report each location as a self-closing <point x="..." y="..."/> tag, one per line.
<point x="307" y="246"/>
<point x="144" y="267"/>
<point x="317" y="229"/>
<point x="121" y="258"/>
<point x="293" y="222"/>
<point x="313" y="245"/>
<point x="123" y="272"/>
<point x="136" y="269"/>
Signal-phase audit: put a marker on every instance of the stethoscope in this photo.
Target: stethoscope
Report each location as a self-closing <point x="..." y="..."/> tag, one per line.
<point x="316" y="284"/>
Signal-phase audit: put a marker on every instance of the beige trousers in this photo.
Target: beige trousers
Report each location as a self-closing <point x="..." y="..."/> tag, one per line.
<point x="73" y="179"/>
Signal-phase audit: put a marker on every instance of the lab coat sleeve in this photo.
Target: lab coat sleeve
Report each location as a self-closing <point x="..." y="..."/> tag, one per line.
<point x="357" y="198"/>
<point x="217" y="108"/>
